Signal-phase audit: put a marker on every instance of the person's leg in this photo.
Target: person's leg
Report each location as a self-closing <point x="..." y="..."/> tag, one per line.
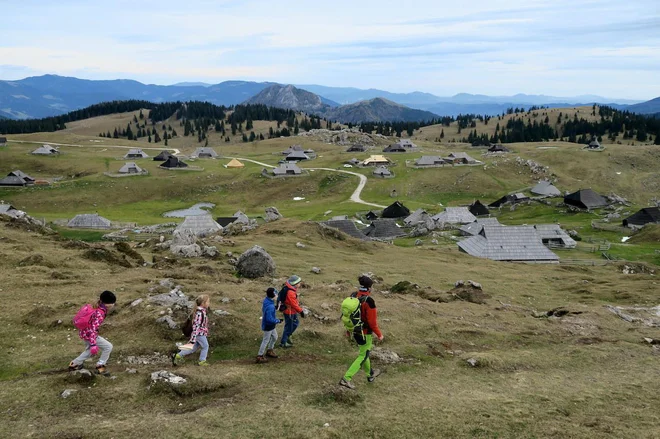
<point x="355" y="367"/>
<point x="296" y="322"/>
<point x="264" y="343"/>
<point x="106" y="348"/>
<point x="192" y="350"/>
<point x="82" y="357"/>
<point x="288" y="328"/>
<point x="204" y="344"/>
<point x="273" y="339"/>
<point x="366" y="363"/>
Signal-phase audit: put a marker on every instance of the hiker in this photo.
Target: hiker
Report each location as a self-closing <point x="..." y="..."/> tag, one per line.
<point x="288" y="304"/>
<point x="200" y="330"/>
<point x="268" y="322"/>
<point x="365" y="325"/>
<point x="88" y="321"/>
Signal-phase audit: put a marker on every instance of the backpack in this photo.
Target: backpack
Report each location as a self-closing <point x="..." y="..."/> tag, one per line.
<point x="83" y="316"/>
<point x="281" y="298"/>
<point x="187" y="327"/>
<point x="351" y="317"/>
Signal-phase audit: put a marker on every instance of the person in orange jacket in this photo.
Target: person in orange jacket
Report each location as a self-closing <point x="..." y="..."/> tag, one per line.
<point x="291" y="310"/>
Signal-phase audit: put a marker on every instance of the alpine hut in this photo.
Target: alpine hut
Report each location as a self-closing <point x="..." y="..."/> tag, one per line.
<point x="518" y="197"/>
<point x="204" y="152"/>
<point x="346" y="226"/>
<point x="130" y="168"/>
<point x="356" y="148"/>
<point x="648" y="215"/>
<point x="286" y="169"/>
<point x="478" y="209"/>
<point x="395" y="148"/>
<point x="376" y="160"/>
<point x="382" y="171"/>
<point x="476" y="227"/>
<point x="89" y="221"/>
<point x="164" y="155"/>
<point x="45" y="150"/>
<point x="455" y="215"/>
<point x="429" y="161"/>
<point x="173" y="163"/>
<point x="293" y="148"/>
<point x="136" y="153"/>
<point x="200" y="225"/>
<point x="395" y="210"/>
<point x="508" y="243"/>
<point x="554" y="236"/>
<point x="296" y="156"/>
<point x="384" y="229"/>
<point x="498" y="148"/>
<point x="546" y="188"/>
<point x="585" y="199"/>
<point x="417" y="217"/>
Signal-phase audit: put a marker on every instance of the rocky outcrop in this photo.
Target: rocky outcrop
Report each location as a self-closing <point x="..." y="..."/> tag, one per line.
<point x="255" y="262"/>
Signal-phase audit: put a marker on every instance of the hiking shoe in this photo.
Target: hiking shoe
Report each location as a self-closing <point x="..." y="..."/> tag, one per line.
<point x="286" y="346"/>
<point x="261" y="359"/>
<point x="347" y="384"/>
<point x="101" y="369"/>
<point x="177" y="359"/>
<point x="73" y="366"/>
<point x="374" y="374"/>
<point x="203" y="363"/>
<point x="271" y="354"/>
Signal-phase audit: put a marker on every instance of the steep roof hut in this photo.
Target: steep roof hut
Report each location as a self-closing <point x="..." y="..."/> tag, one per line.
<point x="200" y="225"/>
<point x="395" y="210"/>
<point x="418" y="216"/>
<point x="375" y="160"/>
<point x="356" y="148"/>
<point x="585" y="199"/>
<point x="478" y="209"/>
<point x="429" y="160"/>
<point x="384" y="229"/>
<point x="552" y="235"/>
<point x="130" y="168"/>
<point x="498" y="148"/>
<point x="346" y="226"/>
<point x="204" y="152"/>
<point x="476" y="227"/>
<point x="382" y="171"/>
<point x="89" y="221"/>
<point x="455" y="215"/>
<point x="162" y="156"/>
<point x="287" y="169"/>
<point x="172" y="163"/>
<point x="648" y="215"/>
<point x="546" y="188"/>
<point x="45" y="150"/>
<point x="509" y="199"/>
<point x="508" y="243"/>
<point x="136" y="153"/>
<point x="293" y="148"/>
<point x="296" y="156"/>
<point x="395" y="148"/>
<point x="233" y="163"/>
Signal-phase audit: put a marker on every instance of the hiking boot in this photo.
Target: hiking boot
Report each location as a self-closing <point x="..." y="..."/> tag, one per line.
<point x="374" y="374"/>
<point x="177" y="359"/>
<point x="203" y="363"/>
<point x="73" y="366"/>
<point x="101" y="369"/>
<point x="261" y="359"/>
<point x="348" y="384"/>
<point x="271" y="354"/>
<point x="286" y="346"/>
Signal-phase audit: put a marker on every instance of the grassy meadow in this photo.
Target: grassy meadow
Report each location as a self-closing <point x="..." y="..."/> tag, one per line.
<point x="586" y="374"/>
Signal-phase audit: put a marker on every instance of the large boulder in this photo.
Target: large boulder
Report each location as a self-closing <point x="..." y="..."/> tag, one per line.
<point x="187" y="251"/>
<point x="272" y="214"/>
<point x="255" y="262"/>
<point x="183" y="237"/>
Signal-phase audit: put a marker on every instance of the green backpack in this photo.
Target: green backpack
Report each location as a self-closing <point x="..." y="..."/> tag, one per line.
<point x="351" y="317"/>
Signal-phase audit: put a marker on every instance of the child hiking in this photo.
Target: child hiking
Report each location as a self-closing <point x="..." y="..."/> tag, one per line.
<point x="360" y="319"/>
<point x="268" y="322"/>
<point x="288" y="303"/>
<point x="200" y="330"/>
<point x="88" y="321"/>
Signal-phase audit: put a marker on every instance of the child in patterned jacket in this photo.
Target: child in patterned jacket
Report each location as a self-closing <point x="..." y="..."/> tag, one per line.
<point x="199" y="333"/>
<point x="89" y="333"/>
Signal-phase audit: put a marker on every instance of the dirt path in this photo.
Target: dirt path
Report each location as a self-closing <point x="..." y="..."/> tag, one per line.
<point x="355" y="197"/>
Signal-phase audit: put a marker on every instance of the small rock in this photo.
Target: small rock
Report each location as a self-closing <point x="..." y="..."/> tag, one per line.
<point x="167" y="283"/>
<point x="475" y="285"/>
<point x="219" y="312"/>
<point x="136" y="302"/>
<point x="300" y="245"/>
<point x="131" y="371"/>
<point x="168" y="321"/>
<point x="167" y="377"/>
<point x="385" y="356"/>
<point x="225" y="300"/>
<point x="326" y="425"/>
<point x="316" y="270"/>
<point x="472" y="362"/>
<point x="229" y="254"/>
<point x="434" y="241"/>
<point x="419" y="242"/>
<point x="67" y="392"/>
<point x="459" y="283"/>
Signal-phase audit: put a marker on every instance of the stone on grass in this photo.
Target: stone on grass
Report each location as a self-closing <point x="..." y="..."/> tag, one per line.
<point x="459" y="283"/>
<point x="219" y="312"/>
<point x="136" y="302"/>
<point x="255" y="262"/>
<point x="167" y="377"/>
<point x="67" y="392"/>
<point x="385" y="356"/>
<point x="316" y="270"/>
<point x="300" y="245"/>
<point x="473" y="284"/>
<point x="167" y="320"/>
<point x="419" y="242"/>
<point x="131" y="371"/>
<point x="272" y="214"/>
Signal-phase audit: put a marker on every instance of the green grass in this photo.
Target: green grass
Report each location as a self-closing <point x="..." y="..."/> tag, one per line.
<point x="80" y="235"/>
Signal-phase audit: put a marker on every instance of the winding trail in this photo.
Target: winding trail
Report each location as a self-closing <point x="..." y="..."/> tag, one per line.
<point x="355" y="196"/>
<point x="176" y="151"/>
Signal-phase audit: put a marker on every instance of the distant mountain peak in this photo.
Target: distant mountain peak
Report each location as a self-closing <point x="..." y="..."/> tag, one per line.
<point x="291" y="97"/>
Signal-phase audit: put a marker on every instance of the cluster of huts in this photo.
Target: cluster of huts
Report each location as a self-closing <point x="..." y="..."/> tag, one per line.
<point x="454" y="158"/>
<point x="297" y="153"/>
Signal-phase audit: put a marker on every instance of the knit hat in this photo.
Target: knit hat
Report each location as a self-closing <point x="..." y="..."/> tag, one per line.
<point x="108" y="297"/>
<point x="365" y="281"/>
<point x="271" y="292"/>
<point x="294" y="280"/>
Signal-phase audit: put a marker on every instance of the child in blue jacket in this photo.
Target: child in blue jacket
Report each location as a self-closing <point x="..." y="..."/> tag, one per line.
<point x="268" y="322"/>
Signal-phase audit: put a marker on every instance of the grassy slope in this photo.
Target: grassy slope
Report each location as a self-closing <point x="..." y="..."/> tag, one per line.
<point x="584" y="375"/>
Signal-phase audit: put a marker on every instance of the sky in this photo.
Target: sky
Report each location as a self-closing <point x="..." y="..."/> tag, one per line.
<point x="609" y="48"/>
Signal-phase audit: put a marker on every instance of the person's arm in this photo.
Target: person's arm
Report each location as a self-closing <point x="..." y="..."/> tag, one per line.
<point x="292" y="301"/>
<point x="372" y="318"/>
<point x="197" y="325"/>
<point x="270" y="317"/>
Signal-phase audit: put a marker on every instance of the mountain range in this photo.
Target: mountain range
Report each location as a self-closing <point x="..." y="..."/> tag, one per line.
<point x="49" y="95"/>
